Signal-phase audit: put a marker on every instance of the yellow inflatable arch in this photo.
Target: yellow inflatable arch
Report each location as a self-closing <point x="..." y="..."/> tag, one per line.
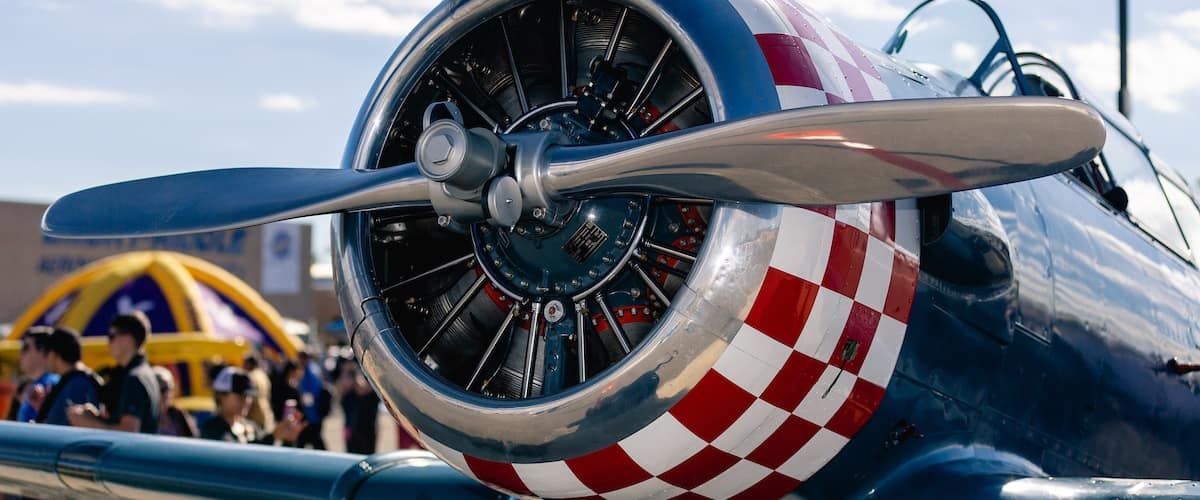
<point x="197" y="311"/>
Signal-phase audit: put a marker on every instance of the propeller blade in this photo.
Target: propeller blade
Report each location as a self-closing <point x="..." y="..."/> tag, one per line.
<point x="215" y="200"/>
<point x="846" y="153"/>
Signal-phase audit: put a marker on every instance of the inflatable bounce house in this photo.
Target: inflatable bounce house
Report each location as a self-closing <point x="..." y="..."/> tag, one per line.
<point x="200" y="314"/>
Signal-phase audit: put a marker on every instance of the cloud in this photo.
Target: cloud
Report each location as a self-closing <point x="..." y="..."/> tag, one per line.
<point x="1188" y="20"/>
<point x="37" y="93"/>
<point x="393" y="18"/>
<point x="867" y="10"/>
<point x="965" y="52"/>
<point x="1161" y="74"/>
<point x="287" y="103"/>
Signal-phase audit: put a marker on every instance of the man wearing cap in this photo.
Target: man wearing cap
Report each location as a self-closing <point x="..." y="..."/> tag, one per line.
<point x="76" y="385"/>
<point x="137" y="403"/>
<point x="234" y="393"/>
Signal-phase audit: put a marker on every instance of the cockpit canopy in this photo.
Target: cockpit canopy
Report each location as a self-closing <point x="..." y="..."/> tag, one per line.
<point x="965" y="37"/>
<point x="965" y="41"/>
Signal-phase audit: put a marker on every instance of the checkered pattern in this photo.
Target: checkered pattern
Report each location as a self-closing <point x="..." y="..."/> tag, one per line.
<point x="810" y="364"/>
<point x="802" y="376"/>
<point x="812" y="62"/>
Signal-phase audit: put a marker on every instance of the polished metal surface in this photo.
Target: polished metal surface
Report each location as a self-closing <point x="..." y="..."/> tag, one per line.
<point x="654" y="288"/>
<point x="1068" y="372"/>
<point x="847" y="153"/>
<point x="651" y="78"/>
<point x="827" y="155"/>
<point x="614" y="326"/>
<point x="581" y="345"/>
<point x="673" y="111"/>
<point x="704" y="316"/>
<point x="217" y="200"/>
<point x="504" y="202"/>
<point x="528" y="163"/>
<point x="465" y="159"/>
<point x="1081" y="488"/>
<point x="535" y="329"/>
<point x="676" y="253"/>
<point x="50" y="461"/>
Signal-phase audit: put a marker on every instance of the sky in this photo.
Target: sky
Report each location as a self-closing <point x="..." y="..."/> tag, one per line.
<point x="100" y="91"/>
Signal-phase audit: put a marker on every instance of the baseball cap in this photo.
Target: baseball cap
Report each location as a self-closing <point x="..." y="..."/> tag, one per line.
<point x="235" y="380"/>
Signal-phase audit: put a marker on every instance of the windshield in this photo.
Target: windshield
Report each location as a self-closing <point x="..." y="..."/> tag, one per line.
<point x="962" y="36"/>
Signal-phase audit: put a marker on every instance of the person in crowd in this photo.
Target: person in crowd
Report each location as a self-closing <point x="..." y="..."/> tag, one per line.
<point x="316" y="400"/>
<point x="76" y="384"/>
<point x="137" y="408"/>
<point x="213" y="366"/>
<point x="34" y="366"/>
<point x="360" y="406"/>
<point x="285" y="387"/>
<point x="234" y="392"/>
<point x="172" y="421"/>
<point x="260" y="411"/>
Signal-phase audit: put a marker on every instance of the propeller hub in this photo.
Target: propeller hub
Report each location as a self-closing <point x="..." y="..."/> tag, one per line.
<point x="461" y="162"/>
<point x="464" y="159"/>
<point x="439" y="148"/>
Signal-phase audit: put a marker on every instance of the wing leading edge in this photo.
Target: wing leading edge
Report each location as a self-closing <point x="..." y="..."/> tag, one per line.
<point x="46" y="461"/>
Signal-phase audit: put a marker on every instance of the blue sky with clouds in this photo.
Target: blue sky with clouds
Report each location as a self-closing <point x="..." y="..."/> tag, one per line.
<point x="98" y="91"/>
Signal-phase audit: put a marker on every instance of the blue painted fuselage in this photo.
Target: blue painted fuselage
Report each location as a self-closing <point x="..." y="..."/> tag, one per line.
<point x="1038" y="345"/>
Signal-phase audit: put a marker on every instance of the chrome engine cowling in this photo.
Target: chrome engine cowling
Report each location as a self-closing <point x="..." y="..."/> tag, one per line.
<point x="680" y="345"/>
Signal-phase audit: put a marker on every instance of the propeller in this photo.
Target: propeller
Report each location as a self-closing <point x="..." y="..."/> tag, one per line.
<point x="847" y="153"/>
<point x="216" y="200"/>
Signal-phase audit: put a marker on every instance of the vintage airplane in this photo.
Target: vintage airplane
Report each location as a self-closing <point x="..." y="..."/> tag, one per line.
<point x="655" y="248"/>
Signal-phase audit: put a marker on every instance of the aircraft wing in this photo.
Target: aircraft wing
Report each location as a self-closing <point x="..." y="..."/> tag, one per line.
<point x="49" y="461"/>
<point x="983" y="472"/>
<point x="1082" y="488"/>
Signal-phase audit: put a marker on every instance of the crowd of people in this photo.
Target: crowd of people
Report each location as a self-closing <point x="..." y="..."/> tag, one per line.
<point x="286" y="406"/>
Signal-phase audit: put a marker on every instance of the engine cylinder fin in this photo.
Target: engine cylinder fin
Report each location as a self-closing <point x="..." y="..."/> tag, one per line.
<point x="454" y="312"/>
<point x="513" y="313"/>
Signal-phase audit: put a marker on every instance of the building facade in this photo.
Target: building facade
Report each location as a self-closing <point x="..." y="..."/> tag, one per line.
<point x="273" y="259"/>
